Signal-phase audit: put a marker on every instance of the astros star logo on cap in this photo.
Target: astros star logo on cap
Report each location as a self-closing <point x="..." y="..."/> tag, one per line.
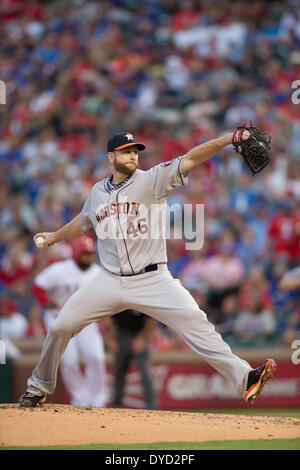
<point x="123" y="140"/>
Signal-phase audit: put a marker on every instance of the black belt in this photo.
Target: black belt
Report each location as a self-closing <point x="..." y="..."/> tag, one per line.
<point x="150" y="267"/>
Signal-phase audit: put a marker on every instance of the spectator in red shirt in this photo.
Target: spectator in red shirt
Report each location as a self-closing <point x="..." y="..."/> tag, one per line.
<point x="256" y="288"/>
<point x="17" y="263"/>
<point x="186" y="17"/>
<point x="284" y="232"/>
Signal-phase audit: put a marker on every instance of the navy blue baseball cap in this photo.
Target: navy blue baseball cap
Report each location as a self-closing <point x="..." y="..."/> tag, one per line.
<point x="122" y="140"/>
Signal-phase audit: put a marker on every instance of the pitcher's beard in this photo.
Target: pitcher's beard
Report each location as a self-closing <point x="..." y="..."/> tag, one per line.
<point x="123" y="169"/>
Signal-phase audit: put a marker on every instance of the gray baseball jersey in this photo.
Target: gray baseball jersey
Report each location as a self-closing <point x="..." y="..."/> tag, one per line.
<point x="129" y="220"/>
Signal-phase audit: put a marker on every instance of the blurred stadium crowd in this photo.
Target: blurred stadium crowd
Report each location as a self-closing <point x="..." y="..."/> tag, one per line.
<point x="175" y="73"/>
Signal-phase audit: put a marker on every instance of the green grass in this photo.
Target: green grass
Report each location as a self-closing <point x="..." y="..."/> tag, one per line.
<point x="280" y="412"/>
<point x="261" y="444"/>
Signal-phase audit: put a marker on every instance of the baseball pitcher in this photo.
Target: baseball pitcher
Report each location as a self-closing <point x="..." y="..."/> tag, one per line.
<point x="123" y="210"/>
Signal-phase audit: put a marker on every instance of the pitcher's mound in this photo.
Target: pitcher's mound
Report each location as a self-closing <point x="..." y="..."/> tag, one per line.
<point x="74" y="425"/>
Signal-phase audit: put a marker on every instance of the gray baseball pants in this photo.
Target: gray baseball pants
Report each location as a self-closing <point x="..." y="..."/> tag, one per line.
<point x="156" y="294"/>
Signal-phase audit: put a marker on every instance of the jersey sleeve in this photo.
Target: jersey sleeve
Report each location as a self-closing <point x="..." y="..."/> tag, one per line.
<point x="85" y="220"/>
<point x="167" y="176"/>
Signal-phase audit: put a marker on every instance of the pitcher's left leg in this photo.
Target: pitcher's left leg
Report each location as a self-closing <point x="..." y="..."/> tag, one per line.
<point x="174" y="306"/>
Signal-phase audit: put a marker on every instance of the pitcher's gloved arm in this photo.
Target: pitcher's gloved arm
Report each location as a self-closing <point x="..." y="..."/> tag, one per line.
<point x="203" y="152"/>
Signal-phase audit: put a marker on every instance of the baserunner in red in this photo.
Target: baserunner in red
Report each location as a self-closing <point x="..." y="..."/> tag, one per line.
<point x="258" y="378"/>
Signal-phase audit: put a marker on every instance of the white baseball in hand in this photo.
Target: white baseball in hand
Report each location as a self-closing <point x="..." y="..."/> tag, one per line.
<point x="40" y="243"/>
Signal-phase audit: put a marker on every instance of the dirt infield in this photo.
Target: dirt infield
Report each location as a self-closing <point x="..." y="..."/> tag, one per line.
<point x="75" y="425"/>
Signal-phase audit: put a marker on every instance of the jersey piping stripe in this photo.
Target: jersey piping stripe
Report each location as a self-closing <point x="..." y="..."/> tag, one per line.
<point x="106" y="189"/>
<point x="179" y="169"/>
<point x="117" y="199"/>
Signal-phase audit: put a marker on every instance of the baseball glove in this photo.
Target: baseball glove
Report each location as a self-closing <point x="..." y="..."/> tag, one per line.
<point x="255" y="150"/>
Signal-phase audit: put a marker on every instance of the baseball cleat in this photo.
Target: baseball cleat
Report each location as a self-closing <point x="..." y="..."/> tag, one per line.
<point x="29" y="399"/>
<point x="258" y="378"/>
